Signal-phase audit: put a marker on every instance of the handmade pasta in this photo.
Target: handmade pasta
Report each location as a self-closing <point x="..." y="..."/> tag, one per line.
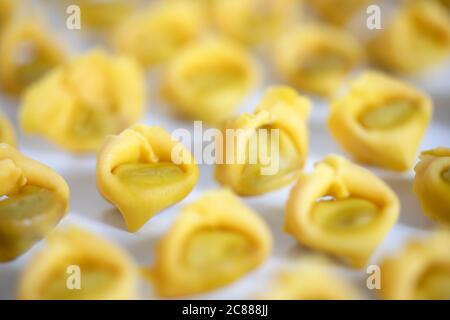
<point x="7" y="134"/>
<point x="86" y="99"/>
<point x="316" y="58"/>
<point x="142" y="171"/>
<point x="208" y="80"/>
<point x="381" y="121"/>
<point x="27" y="52"/>
<point x="341" y="209"/>
<point x="421" y="271"/>
<point x="254" y="22"/>
<point x="104" y="271"/>
<point x="432" y="183"/>
<point x="155" y="35"/>
<point x="417" y="37"/>
<point x="273" y="144"/>
<point x="209" y="246"/>
<point x="33" y="199"/>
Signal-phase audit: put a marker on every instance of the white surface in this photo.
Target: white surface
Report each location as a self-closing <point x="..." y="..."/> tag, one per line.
<point x="90" y="211"/>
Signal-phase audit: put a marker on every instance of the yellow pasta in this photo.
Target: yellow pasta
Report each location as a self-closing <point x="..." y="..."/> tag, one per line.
<point x="86" y="99"/>
<point x="254" y="21"/>
<point x="310" y="279"/>
<point x="209" y="246"/>
<point x="208" y="80"/>
<point x="381" y="121"/>
<point x="421" y="271"/>
<point x="105" y="271"/>
<point x="338" y="12"/>
<point x="34" y="198"/>
<point x="7" y="8"/>
<point x="341" y="209"/>
<point x="316" y="58"/>
<point x="27" y="52"/>
<point x="273" y="144"/>
<point x="432" y="183"/>
<point x="157" y="34"/>
<point x="142" y="171"/>
<point x="417" y="37"/>
<point x="7" y="134"/>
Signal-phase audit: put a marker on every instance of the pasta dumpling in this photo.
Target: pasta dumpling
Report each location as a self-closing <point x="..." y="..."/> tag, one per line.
<point x="104" y="271"/>
<point x="157" y="34"/>
<point x="417" y="37"/>
<point x="7" y="134"/>
<point x="269" y="147"/>
<point x="316" y="58"/>
<point x="27" y="52"/>
<point x="86" y="99"/>
<point x="144" y="170"/>
<point x="381" y="121"/>
<point x="209" y="246"/>
<point x="420" y="272"/>
<point x="432" y="183"/>
<point x="33" y="199"/>
<point x="208" y="80"/>
<point x="341" y="209"/>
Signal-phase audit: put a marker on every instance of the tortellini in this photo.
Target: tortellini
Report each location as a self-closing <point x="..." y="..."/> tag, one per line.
<point x="86" y="99"/>
<point x="312" y="279"/>
<point x="77" y="265"/>
<point x="381" y="121"/>
<point x="27" y="52"/>
<point x="253" y="21"/>
<point x="209" y="79"/>
<point x="144" y="170"/>
<point x="155" y="35"/>
<point x="273" y="142"/>
<point x="33" y="199"/>
<point x="417" y="37"/>
<point x="432" y="183"/>
<point x="341" y="209"/>
<point x="338" y="12"/>
<point x="213" y="242"/>
<point x="316" y="58"/>
<point x="421" y="271"/>
<point x="7" y="134"/>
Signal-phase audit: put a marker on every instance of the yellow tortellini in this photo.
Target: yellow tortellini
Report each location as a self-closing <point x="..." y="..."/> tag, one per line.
<point x="209" y="79"/>
<point x="381" y="121"/>
<point x="254" y="21"/>
<point x="7" y="134"/>
<point x="77" y="265"/>
<point x="86" y="99"/>
<point x="209" y="246"/>
<point x="33" y="199"/>
<point x="341" y="209"/>
<point x="266" y="150"/>
<point x="417" y="37"/>
<point x="27" y="52"/>
<point x="316" y="58"/>
<point x="432" y="183"/>
<point x="157" y="34"/>
<point x="311" y="279"/>
<point x="144" y="170"/>
<point x="421" y="271"/>
<point x="338" y="12"/>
